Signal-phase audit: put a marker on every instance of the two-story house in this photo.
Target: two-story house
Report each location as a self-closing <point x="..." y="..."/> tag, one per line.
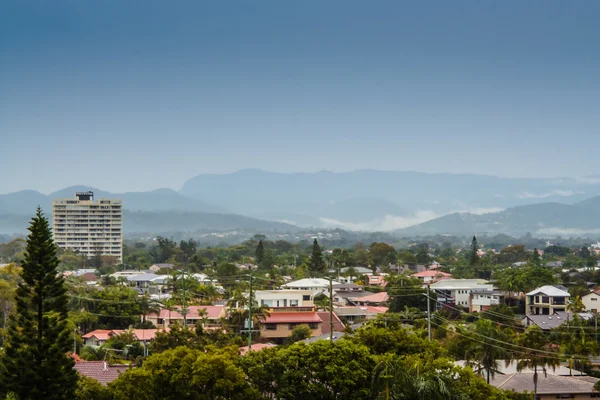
<point x="458" y="291"/>
<point x="546" y="300"/>
<point x="281" y="321"/>
<point x="591" y="302"/>
<point x="284" y="298"/>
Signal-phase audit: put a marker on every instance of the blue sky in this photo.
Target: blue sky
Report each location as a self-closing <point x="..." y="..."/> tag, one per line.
<point x="130" y="95"/>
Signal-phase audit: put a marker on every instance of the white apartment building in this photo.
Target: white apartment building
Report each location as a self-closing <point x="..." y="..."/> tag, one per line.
<point x="89" y="226"/>
<point x="458" y="291"/>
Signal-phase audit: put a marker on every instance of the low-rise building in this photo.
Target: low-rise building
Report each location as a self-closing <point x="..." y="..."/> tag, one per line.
<point x="280" y="323"/>
<point x="100" y="336"/>
<point x="163" y="266"/>
<point x="210" y="316"/>
<point x="375" y="299"/>
<point x="546" y="300"/>
<point x="284" y="298"/>
<point x="376" y="280"/>
<point x="343" y="292"/>
<point x="353" y="314"/>
<point x="319" y="285"/>
<point x="591" y="301"/>
<point x="431" y="276"/>
<point x="101" y="371"/>
<point x="481" y="300"/>
<point x="458" y="291"/>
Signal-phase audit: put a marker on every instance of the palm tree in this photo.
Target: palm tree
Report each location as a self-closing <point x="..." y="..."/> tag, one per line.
<point x="395" y="378"/>
<point x="484" y="350"/>
<point x="536" y="353"/>
<point x="147" y="306"/>
<point x="238" y="310"/>
<point x="575" y="343"/>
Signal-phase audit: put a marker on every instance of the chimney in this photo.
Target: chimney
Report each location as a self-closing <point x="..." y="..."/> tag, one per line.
<point x="105" y="366"/>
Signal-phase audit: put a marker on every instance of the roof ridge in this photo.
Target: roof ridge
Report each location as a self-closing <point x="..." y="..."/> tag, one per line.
<point x="508" y="379"/>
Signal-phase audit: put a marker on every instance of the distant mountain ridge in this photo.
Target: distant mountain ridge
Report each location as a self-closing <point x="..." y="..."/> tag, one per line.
<point x="24" y="202"/>
<point x="545" y="219"/>
<point x="367" y="200"/>
<point x="371" y="198"/>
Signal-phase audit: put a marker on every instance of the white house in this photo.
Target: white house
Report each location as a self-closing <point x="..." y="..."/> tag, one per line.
<point x="546" y="300"/>
<point x="284" y="298"/>
<point x="458" y="291"/>
<point x="481" y="300"/>
<point x="158" y="267"/>
<point x="591" y="302"/>
<point x="312" y="284"/>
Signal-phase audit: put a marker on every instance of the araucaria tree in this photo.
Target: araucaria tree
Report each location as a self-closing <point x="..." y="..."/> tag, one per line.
<point x="316" y="259"/>
<point x="474" y="257"/>
<point x="36" y="363"/>
<point x="260" y="252"/>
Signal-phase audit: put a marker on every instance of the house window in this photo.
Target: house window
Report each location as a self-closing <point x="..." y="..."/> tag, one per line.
<point x="293" y="303"/>
<point x="594" y="310"/>
<point x="313" y="325"/>
<point x="306" y="297"/>
<point x="291" y="326"/>
<point x="594" y="299"/>
<point x="270" y="327"/>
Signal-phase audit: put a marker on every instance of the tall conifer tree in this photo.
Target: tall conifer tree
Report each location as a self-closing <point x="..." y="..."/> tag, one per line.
<point x="36" y="363"/>
<point x="474" y="257"/>
<point x="260" y="253"/>
<point x="316" y="258"/>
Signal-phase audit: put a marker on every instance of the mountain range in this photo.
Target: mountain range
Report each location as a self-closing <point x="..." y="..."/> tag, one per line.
<point x="405" y="202"/>
<point x="541" y="220"/>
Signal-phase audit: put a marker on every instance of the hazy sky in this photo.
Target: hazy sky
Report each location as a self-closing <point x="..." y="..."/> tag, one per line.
<point x="135" y="95"/>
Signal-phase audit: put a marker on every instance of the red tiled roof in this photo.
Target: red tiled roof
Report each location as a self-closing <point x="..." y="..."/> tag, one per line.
<point x="292" y="317"/>
<point x="338" y="325"/>
<point x="256" y="347"/>
<point x="212" y="312"/>
<point x="140" y="334"/>
<point x="381" y="297"/>
<point x="147" y="334"/>
<point x="379" y="310"/>
<point x="102" y="334"/>
<point x="432" y="274"/>
<point x="100" y="371"/>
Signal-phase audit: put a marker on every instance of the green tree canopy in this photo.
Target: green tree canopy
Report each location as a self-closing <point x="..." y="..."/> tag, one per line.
<point x="36" y="364"/>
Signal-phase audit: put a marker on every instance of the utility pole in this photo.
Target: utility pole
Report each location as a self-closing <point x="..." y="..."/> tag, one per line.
<point x="74" y="340"/>
<point x="183" y="309"/>
<point x="331" y="309"/>
<point x="428" y="314"/>
<point x="250" y="324"/>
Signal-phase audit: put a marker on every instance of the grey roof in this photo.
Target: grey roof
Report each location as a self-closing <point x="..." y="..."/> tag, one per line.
<point x="550" y="384"/>
<point x="359" y="270"/>
<point x="346" y="295"/>
<point x="336" y="336"/>
<point x="547" y="322"/>
<point x="550" y="290"/>
<point x="145" y="277"/>
<point x="164" y="265"/>
<point x="555" y="264"/>
<point x="348" y="286"/>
